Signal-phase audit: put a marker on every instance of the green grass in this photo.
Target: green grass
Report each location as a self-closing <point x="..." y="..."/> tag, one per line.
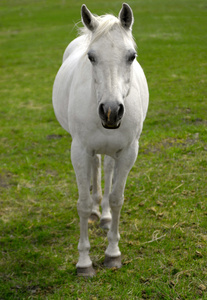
<point x="164" y="218"/>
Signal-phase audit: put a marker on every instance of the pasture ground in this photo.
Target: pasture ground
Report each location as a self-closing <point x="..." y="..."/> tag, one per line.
<point x="164" y="218"/>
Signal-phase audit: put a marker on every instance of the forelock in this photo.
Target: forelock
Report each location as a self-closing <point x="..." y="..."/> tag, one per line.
<point x="106" y="23"/>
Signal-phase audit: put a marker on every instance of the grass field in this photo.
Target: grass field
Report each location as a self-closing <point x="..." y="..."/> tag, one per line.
<point x="164" y="218"/>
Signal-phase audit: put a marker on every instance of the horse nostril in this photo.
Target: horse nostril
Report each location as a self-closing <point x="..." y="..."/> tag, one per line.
<point x="102" y="111"/>
<point x="120" y="111"/>
<point x="111" y="113"/>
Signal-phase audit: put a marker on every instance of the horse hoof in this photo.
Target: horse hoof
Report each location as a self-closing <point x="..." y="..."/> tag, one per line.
<point x="112" y="262"/>
<point x="105" y="223"/>
<point x="93" y="218"/>
<point x="86" y="272"/>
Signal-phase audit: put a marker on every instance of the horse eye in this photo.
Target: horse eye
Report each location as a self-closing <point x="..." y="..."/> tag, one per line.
<point x="131" y="58"/>
<point x="92" y="58"/>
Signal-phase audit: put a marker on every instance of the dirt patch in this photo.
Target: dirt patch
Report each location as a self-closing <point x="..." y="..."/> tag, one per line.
<point x="196" y="121"/>
<point x="172" y="142"/>
<point x="6" y="180"/>
<point x="54" y="136"/>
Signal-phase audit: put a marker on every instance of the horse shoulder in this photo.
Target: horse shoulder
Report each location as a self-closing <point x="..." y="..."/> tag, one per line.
<point x="63" y="82"/>
<point x="69" y="83"/>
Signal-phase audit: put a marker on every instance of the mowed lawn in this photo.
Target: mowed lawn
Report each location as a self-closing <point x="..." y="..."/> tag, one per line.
<point x="164" y="218"/>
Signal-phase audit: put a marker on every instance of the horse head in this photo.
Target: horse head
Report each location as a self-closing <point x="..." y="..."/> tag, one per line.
<point x="111" y="53"/>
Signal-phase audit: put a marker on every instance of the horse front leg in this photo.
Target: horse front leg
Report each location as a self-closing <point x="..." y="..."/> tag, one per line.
<point x="122" y="165"/>
<point x="82" y="164"/>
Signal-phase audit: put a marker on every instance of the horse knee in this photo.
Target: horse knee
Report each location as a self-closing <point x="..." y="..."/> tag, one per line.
<point x="116" y="201"/>
<point x="84" y="207"/>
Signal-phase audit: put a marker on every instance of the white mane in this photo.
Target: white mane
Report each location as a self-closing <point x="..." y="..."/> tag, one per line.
<point x="106" y="24"/>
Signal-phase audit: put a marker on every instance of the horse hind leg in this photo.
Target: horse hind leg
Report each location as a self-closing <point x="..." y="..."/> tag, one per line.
<point x="96" y="188"/>
<point x="108" y="174"/>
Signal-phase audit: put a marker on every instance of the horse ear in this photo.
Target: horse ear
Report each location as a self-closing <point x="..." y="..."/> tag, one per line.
<point x="88" y="19"/>
<point x="126" y="16"/>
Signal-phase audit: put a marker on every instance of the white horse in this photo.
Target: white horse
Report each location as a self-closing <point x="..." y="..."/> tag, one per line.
<point x="100" y="96"/>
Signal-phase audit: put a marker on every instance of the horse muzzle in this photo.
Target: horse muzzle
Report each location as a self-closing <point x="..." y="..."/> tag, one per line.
<point x="111" y="114"/>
